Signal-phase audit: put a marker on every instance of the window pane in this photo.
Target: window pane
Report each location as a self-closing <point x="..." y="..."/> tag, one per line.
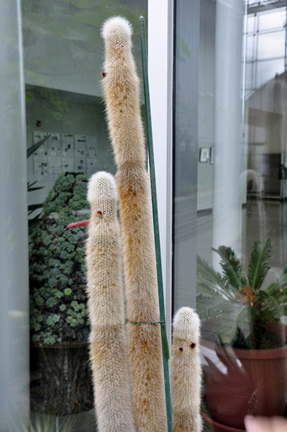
<point x="230" y="202"/>
<point x="251" y="24"/>
<point x="271" y="45"/>
<point x="63" y="55"/>
<point x="272" y="19"/>
<point x="251" y="47"/>
<point x="267" y="70"/>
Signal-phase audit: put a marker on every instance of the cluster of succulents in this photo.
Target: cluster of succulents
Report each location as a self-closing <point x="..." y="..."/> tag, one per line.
<point x="57" y="266"/>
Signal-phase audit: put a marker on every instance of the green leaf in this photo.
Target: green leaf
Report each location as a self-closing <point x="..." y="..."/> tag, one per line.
<point x="35" y="147"/>
<point x="67" y="291"/>
<point x="258" y="266"/>
<point x="231" y="267"/>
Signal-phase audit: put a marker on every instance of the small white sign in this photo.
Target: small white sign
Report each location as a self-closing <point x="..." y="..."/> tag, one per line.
<point x="54" y="145"/>
<point x="68" y="164"/>
<point x="40" y="168"/>
<point x="80" y="146"/>
<point x="91" y="166"/>
<point x="54" y="168"/>
<point x="68" y="145"/>
<point x="80" y="165"/>
<point x="43" y="149"/>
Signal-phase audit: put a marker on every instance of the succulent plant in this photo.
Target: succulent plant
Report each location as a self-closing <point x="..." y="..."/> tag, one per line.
<point x="236" y="302"/>
<point x="58" y="312"/>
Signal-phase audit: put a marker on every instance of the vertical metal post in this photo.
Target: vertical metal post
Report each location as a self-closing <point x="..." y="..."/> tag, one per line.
<point x="165" y="350"/>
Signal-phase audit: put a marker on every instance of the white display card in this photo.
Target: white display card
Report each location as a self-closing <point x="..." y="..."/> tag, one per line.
<point x="91" y="166"/>
<point x="80" y="165"/>
<point x="68" y="163"/>
<point x="68" y="145"/>
<point x="54" y="145"/>
<point x="91" y="146"/>
<point x="40" y="168"/>
<point x="54" y="168"/>
<point x="80" y="146"/>
<point x="43" y="149"/>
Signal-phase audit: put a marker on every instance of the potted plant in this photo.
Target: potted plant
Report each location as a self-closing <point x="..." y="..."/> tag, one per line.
<point x="60" y="374"/>
<point x="243" y="346"/>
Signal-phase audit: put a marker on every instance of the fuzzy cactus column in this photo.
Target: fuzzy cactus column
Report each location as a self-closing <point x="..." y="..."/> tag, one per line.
<point x="185" y="372"/>
<point x="121" y="91"/>
<point x="108" y="345"/>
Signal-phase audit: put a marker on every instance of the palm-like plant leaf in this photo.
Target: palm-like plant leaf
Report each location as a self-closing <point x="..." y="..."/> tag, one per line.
<point x="231" y="266"/>
<point x="35" y="147"/>
<point x="207" y="277"/>
<point x="33" y="207"/>
<point x="30" y="187"/>
<point x="258" y="266"/>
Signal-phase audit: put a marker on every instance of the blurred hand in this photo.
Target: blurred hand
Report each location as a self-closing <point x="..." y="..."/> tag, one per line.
<point x="264" y="424"/>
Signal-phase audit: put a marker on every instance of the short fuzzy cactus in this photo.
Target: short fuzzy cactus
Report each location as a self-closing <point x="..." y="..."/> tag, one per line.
<point x="185" y="372"/>
<point x="108" y="346"/>
<point x="121" y="91"/>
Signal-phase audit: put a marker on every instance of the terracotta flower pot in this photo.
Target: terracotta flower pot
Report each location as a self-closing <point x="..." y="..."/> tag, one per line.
<point x="217" y="427"/>
<point x="240" y="382"/>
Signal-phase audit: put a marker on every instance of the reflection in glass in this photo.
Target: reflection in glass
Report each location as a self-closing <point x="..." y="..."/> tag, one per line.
<point x="63" y="54"/>
<point x="274" y="19"/>
<point x="271" y="45"/>
<point x="267" y="70"/>
<point x="240" y="219"/>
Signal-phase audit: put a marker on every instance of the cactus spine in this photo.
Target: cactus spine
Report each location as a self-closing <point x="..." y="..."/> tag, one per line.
<point x="185" y="372"/>
<point x="121" y="90"/>
<point x="108" y="346"/>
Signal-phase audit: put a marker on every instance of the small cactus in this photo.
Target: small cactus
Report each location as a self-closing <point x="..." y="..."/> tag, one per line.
<point x="121" y="91"/>
<point x="108" y="346"/>
<point x="185" y="372"/>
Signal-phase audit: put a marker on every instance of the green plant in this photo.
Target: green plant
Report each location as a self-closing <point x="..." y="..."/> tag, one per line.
<point x="236" y="303"/>
<point x="31" y="187"/>
<point x="57" y="266"/>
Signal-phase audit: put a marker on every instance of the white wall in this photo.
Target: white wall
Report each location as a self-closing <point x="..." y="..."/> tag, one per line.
<point x="160" y="81"/>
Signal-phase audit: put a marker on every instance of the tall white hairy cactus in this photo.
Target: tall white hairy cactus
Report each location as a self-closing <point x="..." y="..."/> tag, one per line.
<point x="121" y="91"/>
<point x="185" y="372"/>
<point x="108" y="345"/>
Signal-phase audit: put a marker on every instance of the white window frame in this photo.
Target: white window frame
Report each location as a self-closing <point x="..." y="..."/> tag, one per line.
<point x="160" y="68"/>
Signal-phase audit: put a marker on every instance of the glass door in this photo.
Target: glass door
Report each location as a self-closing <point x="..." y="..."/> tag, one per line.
<point x="67" y="140"/>
<point x="229" y="200"/>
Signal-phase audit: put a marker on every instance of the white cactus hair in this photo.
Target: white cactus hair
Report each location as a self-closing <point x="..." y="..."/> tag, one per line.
<point x="114" y="23"/>
<point x="117" y="29"/>
<point x="121" y="88"/>
<point x="186" y="315"/>
<point x="108" y="344"/>
<point x="185" y="372"/>
<point x="101" y="185"/>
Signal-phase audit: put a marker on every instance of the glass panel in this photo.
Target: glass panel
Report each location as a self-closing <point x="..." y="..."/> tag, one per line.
<point x="272" y="20"/>
<point x="251" y="24"/>
<point x="271" y="45"/>
<point x="249" y="76"/>
<point x="267" y="70"/>
<point x="230" y="204"/>
<point x="250" y="47"/>
<point x="63" y="53"/>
